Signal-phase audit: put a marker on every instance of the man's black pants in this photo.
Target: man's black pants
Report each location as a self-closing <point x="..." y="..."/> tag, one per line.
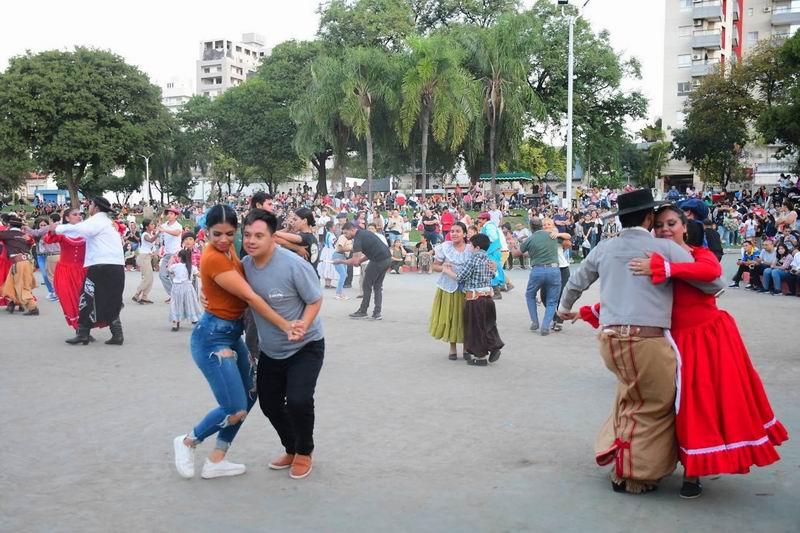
<point x="286" y="395"/>
<point x="373" y="281"/>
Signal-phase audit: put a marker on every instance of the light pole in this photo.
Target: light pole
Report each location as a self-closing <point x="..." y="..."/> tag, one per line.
<point x="570" y="82"/>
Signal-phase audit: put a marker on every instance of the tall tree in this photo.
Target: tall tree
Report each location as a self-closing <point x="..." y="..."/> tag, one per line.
<point x="370" y="23"/>
<point x="369" y="82"/>
<point x="81" y="113"/>
<point x="436" y="92"/>
<point x="718" y="112"/>
<point x="779" y="117"/>
<point x="499" y="60"/>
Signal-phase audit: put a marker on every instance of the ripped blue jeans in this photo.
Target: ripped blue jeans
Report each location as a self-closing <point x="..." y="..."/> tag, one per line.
<point x="220" y="353"/>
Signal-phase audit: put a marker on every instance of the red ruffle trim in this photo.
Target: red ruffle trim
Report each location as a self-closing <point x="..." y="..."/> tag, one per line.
<point x="591" y="314"/>
<point x="658" y="269"/>
<point x="737" y="460"/>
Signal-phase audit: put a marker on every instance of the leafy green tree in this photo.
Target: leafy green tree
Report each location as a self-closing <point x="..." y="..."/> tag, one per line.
<point x="542" y="160"/>
<point x="255" y="128"/>
<point x="779" y="118"/>
<point x="718" y="112"/>
<point x="15" y="160"/>
<point x="370" y="23"/>
<point x="432" y="14"/>
<point x="436" y="93"/>
<point x="80" y="113"/>
<point x="369" y="82"/>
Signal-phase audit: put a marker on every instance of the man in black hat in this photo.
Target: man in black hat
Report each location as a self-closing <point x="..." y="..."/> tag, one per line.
<point x="18" y="286"/>
<point x="635" y="316"/>
<point x="101" y="299"/>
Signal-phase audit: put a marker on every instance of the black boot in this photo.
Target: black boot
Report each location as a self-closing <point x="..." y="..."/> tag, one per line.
<point x="10" y="307"/>
<point x="32" y="312"/>
<point x="116" y="332"/>
<point x="81" y="336"/>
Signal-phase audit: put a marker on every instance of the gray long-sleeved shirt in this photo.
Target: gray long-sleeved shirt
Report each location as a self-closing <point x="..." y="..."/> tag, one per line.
<point x="625" y="298"/>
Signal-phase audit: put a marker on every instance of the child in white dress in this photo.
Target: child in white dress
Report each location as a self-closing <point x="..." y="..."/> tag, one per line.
<point x="184" y="303"/>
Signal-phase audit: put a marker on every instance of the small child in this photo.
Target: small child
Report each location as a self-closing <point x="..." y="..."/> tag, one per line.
<point x="184" y="303"/>
<point x="482" y="342"/>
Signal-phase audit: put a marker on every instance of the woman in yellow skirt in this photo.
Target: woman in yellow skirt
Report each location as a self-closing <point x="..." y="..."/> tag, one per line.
<point x="447" y="315"/>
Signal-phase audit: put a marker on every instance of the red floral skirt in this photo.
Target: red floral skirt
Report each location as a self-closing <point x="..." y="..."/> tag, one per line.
<point x="725" y="423"/>
<point x="68" y="284"/>
<point x="5" y="267"/>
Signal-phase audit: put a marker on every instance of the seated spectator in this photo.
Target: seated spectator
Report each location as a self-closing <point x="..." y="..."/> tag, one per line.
<point x="782" y="257"/>
<point x="398" y="256"/>
<point x="424" y="253"/>
<point x="746" y="262"/>
<point x="766" y="259"/>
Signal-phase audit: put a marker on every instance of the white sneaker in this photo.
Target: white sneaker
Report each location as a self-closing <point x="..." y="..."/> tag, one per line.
<point x="184" y="457"/>
<point x="221" y="469"/>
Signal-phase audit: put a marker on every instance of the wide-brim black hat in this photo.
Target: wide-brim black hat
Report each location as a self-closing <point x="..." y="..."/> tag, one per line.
<point x="634" y="201"/>
<point x="102" y="204"/>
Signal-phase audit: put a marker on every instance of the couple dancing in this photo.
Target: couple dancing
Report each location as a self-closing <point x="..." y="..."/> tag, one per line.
<point x="686" y="386"/>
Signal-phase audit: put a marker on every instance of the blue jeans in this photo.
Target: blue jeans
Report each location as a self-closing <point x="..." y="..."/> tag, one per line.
<point x="767" y="280"/>
<point x="723" y="234"/>
<point x="230" y="378"/>
<point x="779" y="276"/>
<point x="41" y="260"/>
<point x="547" y="279"/>
<point x="342" y="271"/>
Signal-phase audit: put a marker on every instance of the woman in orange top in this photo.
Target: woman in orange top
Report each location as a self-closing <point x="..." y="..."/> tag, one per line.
<point x="219" y="350"/>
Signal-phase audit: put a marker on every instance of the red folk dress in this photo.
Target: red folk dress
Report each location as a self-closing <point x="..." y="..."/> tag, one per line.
<point x="5" y="267"/>
<point x="69" y="275"/>
<point x="724" y="421"/>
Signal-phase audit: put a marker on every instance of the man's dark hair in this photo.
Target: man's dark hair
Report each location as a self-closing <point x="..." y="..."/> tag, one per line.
<point x="259" y="198"/>
<point x="631" y="220"/>
<point x="348" y="226"/>
<point x="265" y="216"/>
<point x="55" y="217"/>
<point x="480" y="241"/>
<point x="536" y="224"/>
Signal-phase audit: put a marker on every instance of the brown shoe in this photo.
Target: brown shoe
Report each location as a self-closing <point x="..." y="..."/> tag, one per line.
<point x="282" y="462"/>
<point x="301" y="467"/>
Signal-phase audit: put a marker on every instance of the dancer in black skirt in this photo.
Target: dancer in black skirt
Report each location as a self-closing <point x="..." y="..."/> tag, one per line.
<point x="482" y="342"/>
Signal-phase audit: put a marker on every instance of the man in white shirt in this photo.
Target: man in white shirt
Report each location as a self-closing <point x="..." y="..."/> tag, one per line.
<point x="101" y="299"/>
<point x="170" y="232"/>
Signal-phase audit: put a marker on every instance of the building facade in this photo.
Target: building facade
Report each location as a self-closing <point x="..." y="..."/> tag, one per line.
<point x="223" y="63"/>
<point x="699" y="36"/>
<point x="175" y="93"/>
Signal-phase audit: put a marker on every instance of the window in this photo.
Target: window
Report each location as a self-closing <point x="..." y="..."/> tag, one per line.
<point x="685" y="31"/>
<point x="170" y="85"/>
<point x="752" y="38"/>
<point x="206" y="93"/>
<point x="686" y="5"/>
<point x="684" y="60"/>
<point x="684" y="87"/>
<point x="749" y="11"/>
<point x="238" y="48"/>
<point x="206" y="70"/>
<point x="680" y="118"/>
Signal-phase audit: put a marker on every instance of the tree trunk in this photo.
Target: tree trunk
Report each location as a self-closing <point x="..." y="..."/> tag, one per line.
<point x="72" y="185"/>
<point x="493" y="170"/>
<point x="319" y="161"/>
<point x="426" y="115"/>
<point x="368" y="137"/>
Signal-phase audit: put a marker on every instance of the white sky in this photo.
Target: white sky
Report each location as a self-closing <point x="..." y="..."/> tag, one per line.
<point x="162" y="37"/>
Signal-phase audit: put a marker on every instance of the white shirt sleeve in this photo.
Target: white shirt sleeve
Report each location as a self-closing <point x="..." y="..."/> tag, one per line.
<point x="88" y="228"/>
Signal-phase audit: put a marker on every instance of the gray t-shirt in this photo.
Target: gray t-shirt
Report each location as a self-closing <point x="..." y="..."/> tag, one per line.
<point x="287" y="283"/>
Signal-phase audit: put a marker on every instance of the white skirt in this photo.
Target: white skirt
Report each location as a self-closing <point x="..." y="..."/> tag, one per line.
<point x="184" y="304"/>
<point x="327" y="270"/>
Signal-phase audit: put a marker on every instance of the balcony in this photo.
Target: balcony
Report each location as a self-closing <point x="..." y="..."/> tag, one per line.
<point x="703" y="67"/>
<point x="783" y="15"/>
<point x="710" y="39"/>
<point x="735" y="10"/>
<point x="735" y="37"/>
<point x="707" y="10"/>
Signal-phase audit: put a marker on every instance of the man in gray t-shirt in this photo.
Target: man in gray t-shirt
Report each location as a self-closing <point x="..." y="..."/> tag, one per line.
<point x="287" y="369"/>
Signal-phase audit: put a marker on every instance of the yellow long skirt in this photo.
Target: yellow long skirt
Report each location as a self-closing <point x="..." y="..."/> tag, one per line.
<point x="447" y="317"/>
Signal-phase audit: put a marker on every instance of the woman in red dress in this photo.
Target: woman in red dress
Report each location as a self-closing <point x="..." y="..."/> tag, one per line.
<point x="724" y="421"/>
<point x="70" y="272"/>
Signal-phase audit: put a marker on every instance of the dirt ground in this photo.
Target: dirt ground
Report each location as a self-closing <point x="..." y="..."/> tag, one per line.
<point x="405" y="439"/>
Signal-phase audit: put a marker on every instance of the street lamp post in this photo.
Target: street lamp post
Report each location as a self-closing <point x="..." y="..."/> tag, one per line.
<point x="147" y="176"/>
<point x="570" y="84"/>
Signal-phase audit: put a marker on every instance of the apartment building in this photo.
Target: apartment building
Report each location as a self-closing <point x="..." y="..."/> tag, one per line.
<point x="224" y="63"/>
<point x="175" y="93"/>
<point x="700" y="35"/>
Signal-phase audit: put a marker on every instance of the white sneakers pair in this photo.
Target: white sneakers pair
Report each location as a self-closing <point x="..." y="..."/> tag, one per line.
<point x="184" y="463"/>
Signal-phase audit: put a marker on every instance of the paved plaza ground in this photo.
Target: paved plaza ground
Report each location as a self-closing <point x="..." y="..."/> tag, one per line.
<point x="406" y="440"/>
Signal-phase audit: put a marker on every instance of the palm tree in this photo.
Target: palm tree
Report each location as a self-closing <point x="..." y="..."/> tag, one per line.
<point x="436" y="91"/>
<point x="500" y="62"/>
<point x="368" y="81"/>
